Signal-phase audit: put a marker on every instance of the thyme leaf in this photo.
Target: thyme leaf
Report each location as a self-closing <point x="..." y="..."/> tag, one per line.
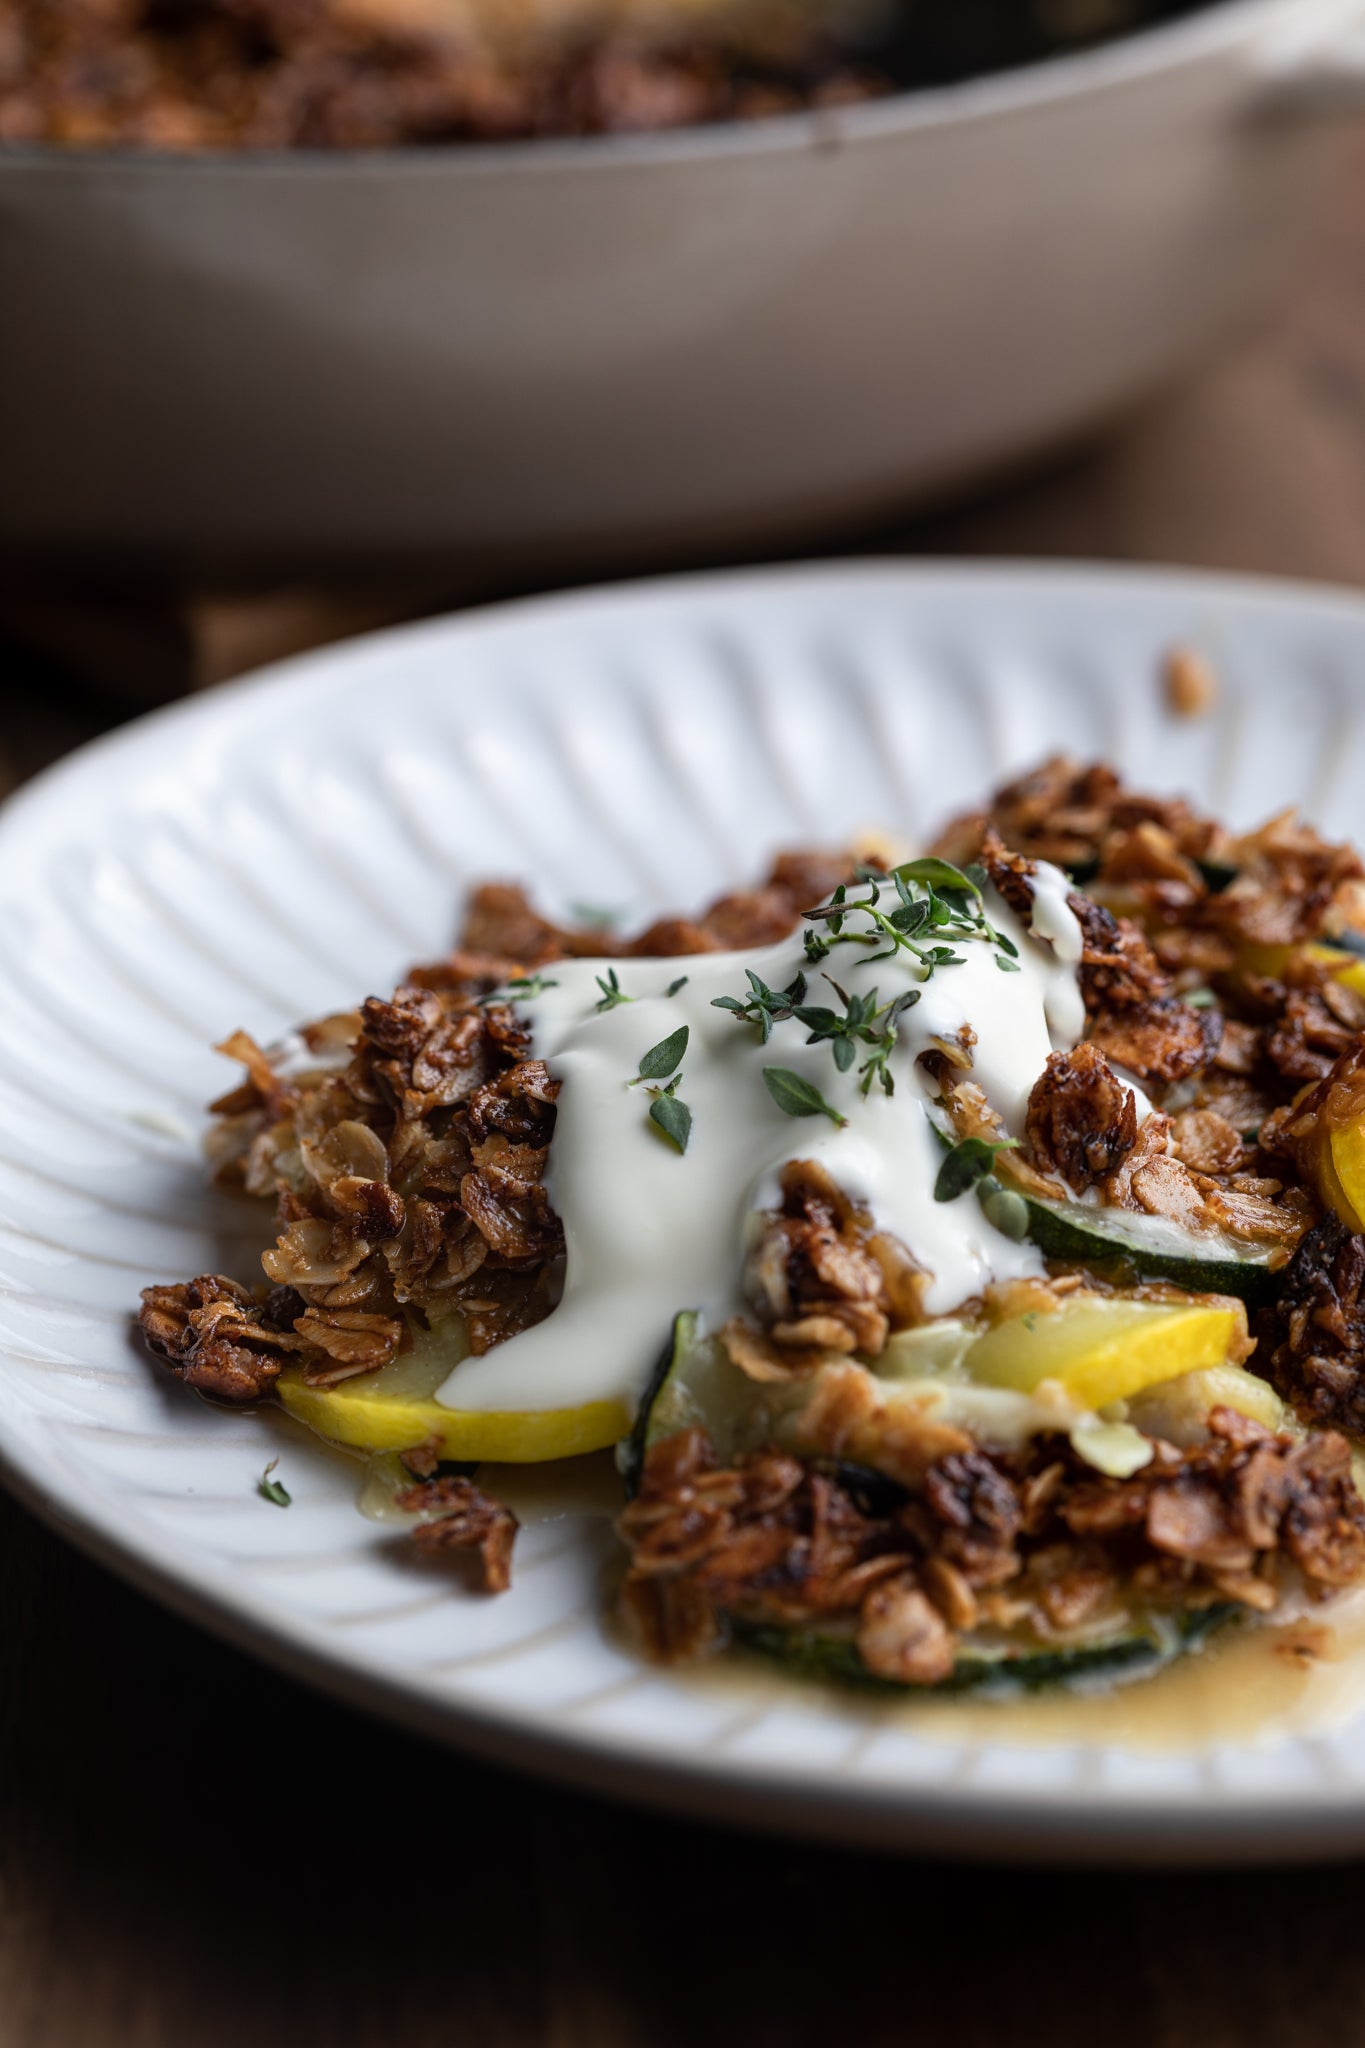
<point x="796" y="1096"/>
<point x="862" y="1023"/>
<point x="936" y="874"/>
<point x="664" y="1058"/>
<point x="518" y="990"/>
<point x="763" y="1006"/>
<point x="877" y="1066"/>
<point x="967" y="1163"/>
<point x="612" y="993"/>
<point x="674" y="986"/>
<point x="271" y="1489"/>
<point x="672" y="1117"/>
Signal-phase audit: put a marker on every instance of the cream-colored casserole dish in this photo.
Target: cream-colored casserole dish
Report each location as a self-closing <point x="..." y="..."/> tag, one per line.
<point x="558" y="351"/>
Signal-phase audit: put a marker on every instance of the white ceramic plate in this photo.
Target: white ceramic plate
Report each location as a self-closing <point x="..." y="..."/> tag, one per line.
<point x="285" y="845"/>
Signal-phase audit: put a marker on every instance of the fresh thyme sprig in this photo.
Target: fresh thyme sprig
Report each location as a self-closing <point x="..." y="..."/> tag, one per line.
<point x="269" y="1488"/>
<point x="519" y="990"/>
<point x="612" y="992"/>
<point x="613" y="995"/>
<point x="765" y="1006"/>
<point x="935" y="905"/>
<point x="863" y="1022"/>
<point x="671" y="1116"/>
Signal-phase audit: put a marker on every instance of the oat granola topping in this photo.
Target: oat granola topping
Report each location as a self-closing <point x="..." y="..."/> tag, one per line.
<point x="1036" y="1542"/>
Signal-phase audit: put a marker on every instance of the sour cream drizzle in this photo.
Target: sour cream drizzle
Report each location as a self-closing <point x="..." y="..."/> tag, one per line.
<point x="1053" y="917"/>
<point x="649" y="1231"/>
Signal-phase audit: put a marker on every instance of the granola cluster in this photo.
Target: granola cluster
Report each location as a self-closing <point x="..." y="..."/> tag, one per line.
<point x="1222" y="1045"/>
<point x="1227" y="917"/>
<point x="409" y="1179"/>
<point x="1036" y="1545"/>
<point x="825" y="1282"/>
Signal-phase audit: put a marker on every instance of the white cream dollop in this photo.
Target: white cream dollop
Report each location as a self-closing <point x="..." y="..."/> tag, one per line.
<point x="649" y="1231"/>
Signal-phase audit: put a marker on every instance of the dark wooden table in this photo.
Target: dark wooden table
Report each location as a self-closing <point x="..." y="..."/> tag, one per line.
<point x="195" y="1853"/>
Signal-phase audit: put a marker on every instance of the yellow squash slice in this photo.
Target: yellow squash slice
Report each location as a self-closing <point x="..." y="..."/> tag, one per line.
<point x="1341" y="1173"/>
<point x="1348" y="968"/>
<point x="1338" y="1150"/>
<point x="395" y="1409"/>
<point x="1338" y="1156"/>
<point x="1107" y="1349"/>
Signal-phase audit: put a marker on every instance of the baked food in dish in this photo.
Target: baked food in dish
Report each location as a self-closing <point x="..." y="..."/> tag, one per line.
<point x="1000" y="1214"/>
<point x="178" y="75"/>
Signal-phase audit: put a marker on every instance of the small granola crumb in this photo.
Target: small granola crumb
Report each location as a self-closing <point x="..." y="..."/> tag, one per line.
<point x="1306" y="1643"/>
<point x="464" y="1518"/>
<point x="1189" y="684"/>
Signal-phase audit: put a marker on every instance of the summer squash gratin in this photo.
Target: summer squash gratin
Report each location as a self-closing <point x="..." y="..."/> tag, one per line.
<point x="963" y="1253"/>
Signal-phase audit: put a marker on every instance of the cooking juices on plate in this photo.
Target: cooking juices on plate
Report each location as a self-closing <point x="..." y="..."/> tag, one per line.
<point x="964" y="1253"/>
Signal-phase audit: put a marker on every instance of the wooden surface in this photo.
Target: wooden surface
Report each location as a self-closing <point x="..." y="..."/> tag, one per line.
<point x="196" y="1854"/>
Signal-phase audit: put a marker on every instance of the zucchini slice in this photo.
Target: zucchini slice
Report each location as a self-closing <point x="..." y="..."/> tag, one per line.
<point x="1085" y="1234"/>
<point x="1080" y="1235"/>
<point x="815" y="1654"/>
<point x="694" y="1383"/>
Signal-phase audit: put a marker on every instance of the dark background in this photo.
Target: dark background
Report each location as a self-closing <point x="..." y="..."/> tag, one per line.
<point x="194" y="1852"/>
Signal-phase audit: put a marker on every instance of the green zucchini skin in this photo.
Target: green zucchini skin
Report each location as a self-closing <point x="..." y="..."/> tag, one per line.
<point x="693" y="1385"/>
<point x="1081" y="1236"/>
<point x="808" y="1654"/>
<point x="630" y="1457"/>
<point x="1077" y="1237"/>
